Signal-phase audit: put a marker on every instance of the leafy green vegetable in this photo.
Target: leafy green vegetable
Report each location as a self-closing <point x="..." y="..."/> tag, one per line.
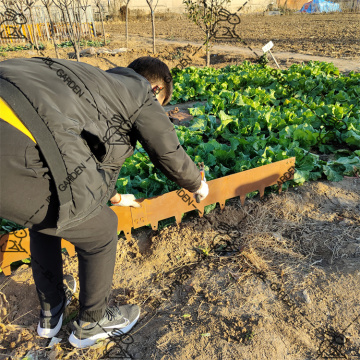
<point x="20" y="47"/>
<point x="260" y="123"/>
<point x="84" y="43"/>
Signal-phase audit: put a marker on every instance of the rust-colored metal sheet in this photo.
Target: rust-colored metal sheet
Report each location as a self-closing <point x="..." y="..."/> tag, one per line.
<point x="16" y="245"/>
<point x="179" y="202"/>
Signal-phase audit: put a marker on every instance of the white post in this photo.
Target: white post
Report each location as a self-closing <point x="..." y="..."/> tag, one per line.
<point x="267" y="48"/>
<point x="274" y="59"/>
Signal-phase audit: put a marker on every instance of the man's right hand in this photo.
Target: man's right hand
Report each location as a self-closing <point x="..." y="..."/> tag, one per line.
<point x="203" y="190"/>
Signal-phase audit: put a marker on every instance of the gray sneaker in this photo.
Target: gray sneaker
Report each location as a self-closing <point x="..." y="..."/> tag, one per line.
<point x="116" y="321"/>
<point x="49" y="326"/>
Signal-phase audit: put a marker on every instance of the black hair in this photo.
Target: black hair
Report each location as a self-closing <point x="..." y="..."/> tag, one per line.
<point x="155" y="71"/>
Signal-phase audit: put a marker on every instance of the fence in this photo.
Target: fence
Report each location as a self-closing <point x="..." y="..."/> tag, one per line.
<point x="16" y="27"/>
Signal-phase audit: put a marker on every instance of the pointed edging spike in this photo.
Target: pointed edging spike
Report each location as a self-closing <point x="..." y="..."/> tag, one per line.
<point x="242" y="199"/>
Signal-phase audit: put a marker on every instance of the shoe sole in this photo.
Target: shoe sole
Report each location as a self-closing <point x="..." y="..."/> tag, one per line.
<point x="49" y="333"/>
<point x="83" y="343"/>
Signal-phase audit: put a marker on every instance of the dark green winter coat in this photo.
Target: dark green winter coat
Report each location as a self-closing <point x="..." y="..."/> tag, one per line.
<point x="95" y="118"/>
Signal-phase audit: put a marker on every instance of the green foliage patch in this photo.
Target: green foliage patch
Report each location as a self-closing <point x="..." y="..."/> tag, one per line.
<point x="20" y="47"/>
<point x="84" y="43"/>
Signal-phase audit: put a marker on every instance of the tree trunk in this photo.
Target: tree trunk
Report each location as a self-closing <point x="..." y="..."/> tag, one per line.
<point x="86" y="19"/>
<point x="77" y="51"/>
<point x="207" y="48"/>
<point x="72" y="34"/>
<point x="102" y="23"/>
<point x="27" y="32"/>
<point x="33" y="30"/>
<point x="153" y="28"/>
<point x="53" y="31"/>
<point x="127" y="25"/>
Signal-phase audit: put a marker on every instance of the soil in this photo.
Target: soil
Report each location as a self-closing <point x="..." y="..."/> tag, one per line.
<point x="332" y="35"/>
<point x="278" y="278"/>
<point x="297" y="38"/>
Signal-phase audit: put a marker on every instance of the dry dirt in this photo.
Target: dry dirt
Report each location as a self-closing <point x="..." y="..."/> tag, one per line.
<point x="275" y="279"/>
<point x="333" y="35"/>
<point x="297" y="38"/>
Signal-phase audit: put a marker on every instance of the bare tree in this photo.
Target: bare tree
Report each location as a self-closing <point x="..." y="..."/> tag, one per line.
<point x="152" y="5"/>
<point x="98" y="4"/>
<point x="67" y="7"/>
<point x="7" y="4"/>
<point x="127" y="21"/>
<point x="30" y="4"/>
<point x="15" y="21"/>
<point x="47" y="4"/>
<point x="83" y="5"/>
<point x="204" y="13"/>
<point x="20" y="6"/>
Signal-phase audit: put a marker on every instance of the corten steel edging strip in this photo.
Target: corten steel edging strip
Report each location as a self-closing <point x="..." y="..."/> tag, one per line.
<point x="179" y="202"/>
<point x="16" y="245"/>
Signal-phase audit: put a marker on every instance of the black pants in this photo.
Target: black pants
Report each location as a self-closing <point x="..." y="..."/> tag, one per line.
<point x="28" y="197"/>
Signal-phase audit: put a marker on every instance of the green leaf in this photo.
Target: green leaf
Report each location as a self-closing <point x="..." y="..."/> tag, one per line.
<point x="331" y="174"/>
<point x="224" y="156"/>
<point x="351" y="137"/>
<point x="225" y="120"/>
<point x="210" y="160"/>
<point x="238" y="99"/>
<point x="346" y="165"/>
<point x="209" y="208"/>
<point x="196" y="111"/>
<point x="301" y="176"/>
<point x="198" y="123"/>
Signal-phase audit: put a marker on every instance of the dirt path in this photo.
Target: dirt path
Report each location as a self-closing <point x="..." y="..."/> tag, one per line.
<point x="297" y="38"/>
<point x="330" y="35"/>
<point x="344" y="65"/>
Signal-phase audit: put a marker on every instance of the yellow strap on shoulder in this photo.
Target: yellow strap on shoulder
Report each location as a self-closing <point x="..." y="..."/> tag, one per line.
<point x="8" y="115"/>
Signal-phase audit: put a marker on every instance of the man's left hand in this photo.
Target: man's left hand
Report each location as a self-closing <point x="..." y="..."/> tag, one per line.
<point x="124" y="200"/>
<point x="203" y="190"/>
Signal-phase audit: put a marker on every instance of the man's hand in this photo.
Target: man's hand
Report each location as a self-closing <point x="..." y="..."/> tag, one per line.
<point x="124" y="200"/>
<point x="203" y="190"/>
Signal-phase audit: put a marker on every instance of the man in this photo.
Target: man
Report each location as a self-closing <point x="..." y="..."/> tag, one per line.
<point x="66" y="129"/>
